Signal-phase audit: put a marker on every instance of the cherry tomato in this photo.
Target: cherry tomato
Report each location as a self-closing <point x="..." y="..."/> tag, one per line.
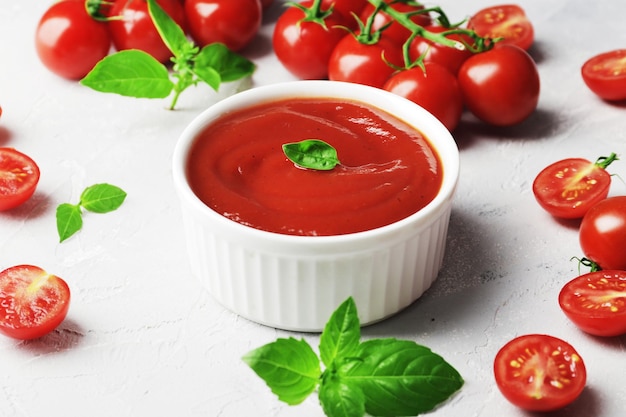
<point x="434" y="88"/>
<point x="32" y="302"/>
<point x="395" y="30"/>
<point x="504" y="21"/>
<point x="19" y="176"/>
<point x="347" y="7"/>
<point x="570" y="187"/>
<point x="304" y="47"/>
<point x="69" y="42"/>
<point x="231" y="22"/>
<point x="538" y="372"/>
<point x="596" y="302"/>
<point x="360" y="63"/>
<point x="451" y="58"/>
<point x="605" y="74"/>
<point x="500" y="86"/>
<point x="602" y="233"/>
<point x="134" y="28"/>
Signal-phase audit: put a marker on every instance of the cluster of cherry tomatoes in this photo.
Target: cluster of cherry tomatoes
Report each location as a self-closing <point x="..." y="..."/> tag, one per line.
<point x="73" y="35"/>
<point x="389" y="47"/>
<point x="574" y="189"/>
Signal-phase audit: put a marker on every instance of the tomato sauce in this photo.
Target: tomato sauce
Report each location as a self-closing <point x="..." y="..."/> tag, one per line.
<point x="388" y="170"/>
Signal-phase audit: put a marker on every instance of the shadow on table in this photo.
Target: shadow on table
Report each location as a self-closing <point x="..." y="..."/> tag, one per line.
<point x="65" y="337"/>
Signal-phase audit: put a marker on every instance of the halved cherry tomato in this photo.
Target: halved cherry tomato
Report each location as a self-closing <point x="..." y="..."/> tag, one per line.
<point x="434" y="88"/>
<point x="69" y="42"/>
<point x="539" y="372"/>
<point x="602" y="233"/>
<point x="596" y="302"/>
<point x="19" y="176"/>
<point x="605" y="74"/>
<point x="32" y="302"/>
<point x="500" y="86"/>
<point x="507" y="21"/>
<point x="570" y="187"/>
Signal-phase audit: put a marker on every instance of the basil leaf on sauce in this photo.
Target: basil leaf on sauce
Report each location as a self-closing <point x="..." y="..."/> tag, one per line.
<point x="312" y="154"/>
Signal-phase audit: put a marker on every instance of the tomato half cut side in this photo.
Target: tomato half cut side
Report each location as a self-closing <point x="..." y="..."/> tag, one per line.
<point x="508" y="21"/>
<point x="605" y="74"/>
<point x="538" y="372"/>
<point x="596" y="302"/>
<point x="32" y="302"/>
<point x="570" y="187"/>
<point x="19" y="176"/>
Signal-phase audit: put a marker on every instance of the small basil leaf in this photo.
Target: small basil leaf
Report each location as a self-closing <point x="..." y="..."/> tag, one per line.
<point x="288" y="366"/>
<point x="102" y="198"/>
<point x="339" y="399"/>
<point x="69" y="220"/>
<point x="312" y="153"/>
<point x="209" y="75"/>
<point x="172" y="34"/>
<point x="131" y="73"/>
<point x="400" y="377"/>
<point x="228" y="64"/>
<point x="341" y="334"/>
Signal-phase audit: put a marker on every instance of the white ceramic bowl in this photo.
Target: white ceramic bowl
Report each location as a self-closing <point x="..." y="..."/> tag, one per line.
<point x="296" y="282"/>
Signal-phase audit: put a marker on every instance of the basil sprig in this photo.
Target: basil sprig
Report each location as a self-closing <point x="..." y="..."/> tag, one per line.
<point x="380" y="377"/>
<point x="135" y="73"/>
<point x="98" y="198"/>
<point x="312" y="153"/>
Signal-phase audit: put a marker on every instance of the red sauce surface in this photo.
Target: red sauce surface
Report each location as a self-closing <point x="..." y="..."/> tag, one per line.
<point x="388" y="170"/>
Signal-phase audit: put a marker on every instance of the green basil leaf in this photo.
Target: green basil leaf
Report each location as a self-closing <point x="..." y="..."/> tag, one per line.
<point x="400" y="377"/>
<point x="288" y="366"/>
<point x="131" y="73"/>
<point x="172" y="34"/>
<point x="339" y="399"/>
<point x="102" y="198"/>
<point x="69" y="220"/>
<point x="228" y="64"/>
<point x="312" y="153"/>
<point x="209" y="75"/>
<point x="341" y="334"/>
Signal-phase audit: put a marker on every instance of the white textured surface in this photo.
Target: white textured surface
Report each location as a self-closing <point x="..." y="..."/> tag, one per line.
<point x="143" y="338"/>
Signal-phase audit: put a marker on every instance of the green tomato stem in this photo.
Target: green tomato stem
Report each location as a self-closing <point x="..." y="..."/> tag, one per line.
<point x="604" y="161"/>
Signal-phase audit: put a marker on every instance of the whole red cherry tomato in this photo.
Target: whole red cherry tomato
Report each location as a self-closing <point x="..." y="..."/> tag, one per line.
<point x="32" y="302"/>
<point x="605" y="74"/>
<point x="538" y="372"/>
<point x="361" y="63"/>
<point x="133" y="29"/>
<point x="508" y="22"/>
<point x="602" y="233"/>
<point x="434" y="88"/>
<point x="449" y="57"/>
<point x="395" y="30"/>
<point x="19" y="176"/>
<point x="304" y="47"/>
<point x="69" y="42"/>
<point x="500" y="86"/>
<point x="569" y="187"/>
<point x="596" y="302"/>
<point x="231" y="22"/>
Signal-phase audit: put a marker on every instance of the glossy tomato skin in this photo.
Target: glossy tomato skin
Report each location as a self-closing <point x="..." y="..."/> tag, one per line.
<point x="538" y="372"/>
<point x="32" y="302"/>
<point x="231" y="22"/>
<point x="570" y="187"/>
<point x="435" y="88"/>
<point x="395" y="30"/>
<point x="360" y="63"/>
<point x="596" y="302"/>
<point x="134" y="28"/>
<point x="605" y="75"/>
<point x="507" y="21"/>
<point x="69" y="42"/>
<point x="304" y="48"/>
<point x="451" y="58"/>
<point x="602" y="233"/>
<point x="19" y="176"/>
<point x="500" y="86"/>
<point x="347" y="7"/>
